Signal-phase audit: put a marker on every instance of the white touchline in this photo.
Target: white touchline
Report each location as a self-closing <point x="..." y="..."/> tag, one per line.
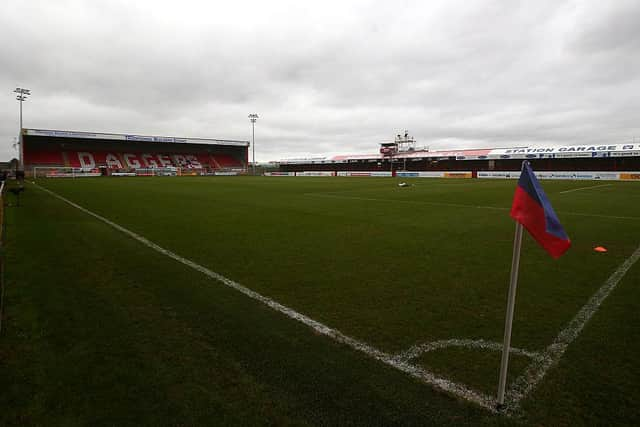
<point x="534" y="373"/>
<point x="422" y="374"/>
<point x="584" y="188"/>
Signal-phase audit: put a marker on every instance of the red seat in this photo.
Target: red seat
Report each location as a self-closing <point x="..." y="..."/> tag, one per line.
<point x="43" y="158"/>
<point x="226" y="161"/>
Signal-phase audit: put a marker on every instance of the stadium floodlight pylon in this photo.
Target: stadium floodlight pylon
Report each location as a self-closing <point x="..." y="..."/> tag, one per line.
<point x="22" y="96"/>
<point x="253" y="117"/>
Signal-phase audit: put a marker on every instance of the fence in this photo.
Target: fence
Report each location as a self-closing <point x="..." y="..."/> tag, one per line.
<point x="2" y="191"/>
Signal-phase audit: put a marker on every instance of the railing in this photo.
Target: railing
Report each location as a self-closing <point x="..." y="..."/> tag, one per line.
<point x="2" y="190"/>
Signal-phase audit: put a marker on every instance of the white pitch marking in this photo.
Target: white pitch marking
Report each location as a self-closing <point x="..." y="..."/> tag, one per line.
<point x="534" y="373"/>
<point x="458" y="205"/>
<point x="584" y="188"/>
<point x="444" y="384"/>
<point x="481" y="344"/>
<point x="414" y="202"/>
<point x="634" y="218"/>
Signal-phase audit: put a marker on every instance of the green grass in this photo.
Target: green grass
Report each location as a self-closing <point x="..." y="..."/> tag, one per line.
<point x="101" y="330"/>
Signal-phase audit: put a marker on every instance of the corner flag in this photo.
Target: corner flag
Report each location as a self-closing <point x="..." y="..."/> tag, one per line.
<point x="532" y="209"/>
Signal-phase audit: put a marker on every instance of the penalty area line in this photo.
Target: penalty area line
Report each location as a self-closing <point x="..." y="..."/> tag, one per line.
<point x="413" y="202"/>
<point x="584" y="188"/>
<point x="456" y="205"/>
<point x="414" y="371"/>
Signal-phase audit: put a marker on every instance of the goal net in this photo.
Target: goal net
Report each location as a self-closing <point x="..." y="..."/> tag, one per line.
<point x="166" y="171"/>
<point x="63" y="172"/>
<point x="71" y="172"/>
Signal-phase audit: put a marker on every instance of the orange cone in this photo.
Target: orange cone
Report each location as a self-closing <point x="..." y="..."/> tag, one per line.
<point x="600" y="249"/>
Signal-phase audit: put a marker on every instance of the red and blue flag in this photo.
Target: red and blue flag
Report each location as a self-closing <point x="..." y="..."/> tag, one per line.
<point x="532" y="209"/>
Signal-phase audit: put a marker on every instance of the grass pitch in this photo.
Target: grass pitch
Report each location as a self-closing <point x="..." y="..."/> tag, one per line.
<point x="100" y="329"/>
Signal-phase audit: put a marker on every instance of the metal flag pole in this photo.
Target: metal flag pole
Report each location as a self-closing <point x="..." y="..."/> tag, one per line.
<point x="511" y="302"/>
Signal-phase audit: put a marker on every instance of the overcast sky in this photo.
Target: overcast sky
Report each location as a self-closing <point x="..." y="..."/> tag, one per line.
<point x="326" y="77"/>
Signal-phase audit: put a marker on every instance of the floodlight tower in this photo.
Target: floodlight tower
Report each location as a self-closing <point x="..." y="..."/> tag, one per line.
<point x="253" y="117"/>
<point x="22" y="96"/>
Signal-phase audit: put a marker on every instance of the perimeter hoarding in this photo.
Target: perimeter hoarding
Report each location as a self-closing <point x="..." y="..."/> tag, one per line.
<point x="565" y="175"/>
<point x="434" y="174"/>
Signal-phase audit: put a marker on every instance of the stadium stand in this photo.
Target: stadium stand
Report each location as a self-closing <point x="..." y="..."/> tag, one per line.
<point x="123" y="153"/>
<point x="225" y="161"/>
<point x="615" y="157"/>
<point x="43" y="158"/>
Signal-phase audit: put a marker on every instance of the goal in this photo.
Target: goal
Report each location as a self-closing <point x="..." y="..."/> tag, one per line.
<point x="63" y="172"/>
<point x="164" y="171"/>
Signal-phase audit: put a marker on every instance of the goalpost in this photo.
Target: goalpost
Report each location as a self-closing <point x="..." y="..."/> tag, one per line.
<point x="71" y="172"/>
<point x="162" y="171"/>
<point x="63" y="172"/>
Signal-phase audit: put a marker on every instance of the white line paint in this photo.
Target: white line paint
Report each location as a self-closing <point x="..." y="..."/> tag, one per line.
<point x="534" y="373"/>
<point x="413" y="202"/>
<point x="458" y="205"/>
<point x="417" y="372"/>
<point x="633" y="218"/>
<point x="478" y="344"/>
<point x="584" y="188"/>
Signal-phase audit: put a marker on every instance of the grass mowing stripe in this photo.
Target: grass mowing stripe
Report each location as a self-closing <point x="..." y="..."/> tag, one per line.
<point x="584" y="188"/>
<point x="415" y="371"/>
<point x="536" y="371"/>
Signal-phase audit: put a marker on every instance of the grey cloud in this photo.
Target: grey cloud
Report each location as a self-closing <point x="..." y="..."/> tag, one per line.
<point x="612" y="27"/>
<point x="330" y="77"/>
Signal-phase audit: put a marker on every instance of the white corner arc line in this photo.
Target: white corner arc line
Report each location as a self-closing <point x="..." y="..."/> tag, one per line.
<point x="524" y="384"/>
<point x="417" y="372"/>
<point x="479" y="344"/>
<point x="584" y="188"/>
